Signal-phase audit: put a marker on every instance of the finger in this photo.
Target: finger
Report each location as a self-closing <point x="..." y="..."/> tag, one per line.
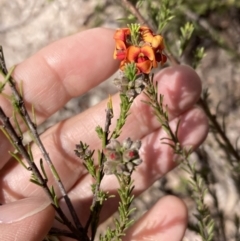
<point x="158" y="159"/>
<point x="181" y="87"/>
<point x="65" y="69"/>
<point x="26" y="219"/>
<point x="60" y="71"/>
<point x="62" y="138"/>
<point x="167" y="220"/>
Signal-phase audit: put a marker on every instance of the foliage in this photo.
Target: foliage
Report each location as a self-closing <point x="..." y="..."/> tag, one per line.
<point x="189" y="31"/>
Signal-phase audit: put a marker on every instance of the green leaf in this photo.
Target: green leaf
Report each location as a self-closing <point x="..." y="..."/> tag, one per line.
<point x="43" y="169"/>
<point x="35" y="182"/>
<point x="18" y="159"/>
<point x="54" y="171"/>
<point x="55" y="200"/>
<point x="99" y="131"/>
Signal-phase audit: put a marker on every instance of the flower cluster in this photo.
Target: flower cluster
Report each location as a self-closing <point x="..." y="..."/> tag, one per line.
<point x="130" y="88"/>
<point x="121" y="159"/>
<point x="83" y="152"/>
<point x="139" y="45"/>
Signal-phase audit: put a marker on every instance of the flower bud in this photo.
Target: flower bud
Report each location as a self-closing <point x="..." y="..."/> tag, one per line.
<point x="88" y="153"/>
<point x="109" y="167"/>
<point x="126" y="173"/>
<point x="131" y="84"/>
<point x="138" y="91"/>
<point x="131" y="93"/>
<point x="114" y="144"/>
<point x="117" y="82"/>
<point x="130" y="166"/>
<point x="139" y="83"/>
<point x="120" y="168"/>
<point x="137" y="161"/>
<point x="136" y="145"/>
<point x="127" y="143"/>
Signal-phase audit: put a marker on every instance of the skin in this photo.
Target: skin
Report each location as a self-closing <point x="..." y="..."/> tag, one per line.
<point x="69" y="68"/>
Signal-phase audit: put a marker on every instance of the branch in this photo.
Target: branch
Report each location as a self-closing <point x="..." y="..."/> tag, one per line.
<point x="136" y="13"/>
<point x="18" y="144"/>
<point x="33" y="128"/>
<point x="217" y="126"/>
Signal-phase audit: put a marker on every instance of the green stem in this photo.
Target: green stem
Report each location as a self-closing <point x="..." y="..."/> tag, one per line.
<point x="124" y="111"/>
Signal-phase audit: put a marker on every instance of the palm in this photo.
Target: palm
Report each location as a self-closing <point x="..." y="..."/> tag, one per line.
<point x="69" y="68"/>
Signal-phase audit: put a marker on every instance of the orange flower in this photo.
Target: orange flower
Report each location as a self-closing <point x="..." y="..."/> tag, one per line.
<point x="145" y="50"/>
<point x="120" y="50"/>
<point x="156" y="41"/>
<point x="144" y="58"/>
<point x="122" y="34"/>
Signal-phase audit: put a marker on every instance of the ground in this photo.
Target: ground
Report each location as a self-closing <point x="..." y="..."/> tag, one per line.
<point x="26" y="26"/>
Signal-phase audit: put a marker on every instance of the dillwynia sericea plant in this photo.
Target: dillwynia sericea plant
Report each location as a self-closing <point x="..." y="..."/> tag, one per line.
<point x="139" y="51"/>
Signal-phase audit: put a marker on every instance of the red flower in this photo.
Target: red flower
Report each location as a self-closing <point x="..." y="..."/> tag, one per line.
<point x="160" y="57"/>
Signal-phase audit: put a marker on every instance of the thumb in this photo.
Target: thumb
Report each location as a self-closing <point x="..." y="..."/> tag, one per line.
<point x="26" y="219"/>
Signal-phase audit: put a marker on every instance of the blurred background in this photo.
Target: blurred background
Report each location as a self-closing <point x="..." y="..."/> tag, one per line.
<point x="28" y="25"/>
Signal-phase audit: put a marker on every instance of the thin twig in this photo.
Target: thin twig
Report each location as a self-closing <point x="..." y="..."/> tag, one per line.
<point x="128" y="5"/>
<point x="32" y="127"/>
<point x="217" y="126"/>
<point x="96" y="206"/>
<point x="209" y="29"/>
<point x="142" y="21"/>
<point x="59" y="232"/>
<point x="32" y="166"/>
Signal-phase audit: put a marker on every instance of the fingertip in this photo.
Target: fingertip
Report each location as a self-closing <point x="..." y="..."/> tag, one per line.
<point x="176" y="205"/>
<point x="167" y="220"/>
<point x="193" y="127"/>
<point x="31" y="228"/>
<point x="65" y="69"/>
<point x="181" y="87"/>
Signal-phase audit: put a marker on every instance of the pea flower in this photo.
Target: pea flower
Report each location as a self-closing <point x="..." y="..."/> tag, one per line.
<point x="139" y="45"/>
<point x="144" y="57"/>
<point x="155" y="41"/>
<point x="120" y="51"/>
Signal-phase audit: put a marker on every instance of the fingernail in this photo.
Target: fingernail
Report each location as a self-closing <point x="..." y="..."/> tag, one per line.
<point x="21" y="209"/>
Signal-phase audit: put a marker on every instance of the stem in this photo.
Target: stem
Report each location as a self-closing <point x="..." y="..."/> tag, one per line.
<point x="128" y="5"/>
<point x="33" y="129"/>
<point x="131" y="8"/>
<point x="7" y="126"/>
<point x="59" y="232"/>
<point x="217" y="126"/>
<point x="123" y="222"/>
<point x="204" y="24"/>
<point x="156" y="104"/>
<point x="96" y="206"/>
<point x="125" y="106"/>
<point x="205" y="221"/>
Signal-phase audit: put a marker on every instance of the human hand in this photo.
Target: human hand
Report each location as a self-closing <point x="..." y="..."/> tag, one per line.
<point x="69" y="68"/>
